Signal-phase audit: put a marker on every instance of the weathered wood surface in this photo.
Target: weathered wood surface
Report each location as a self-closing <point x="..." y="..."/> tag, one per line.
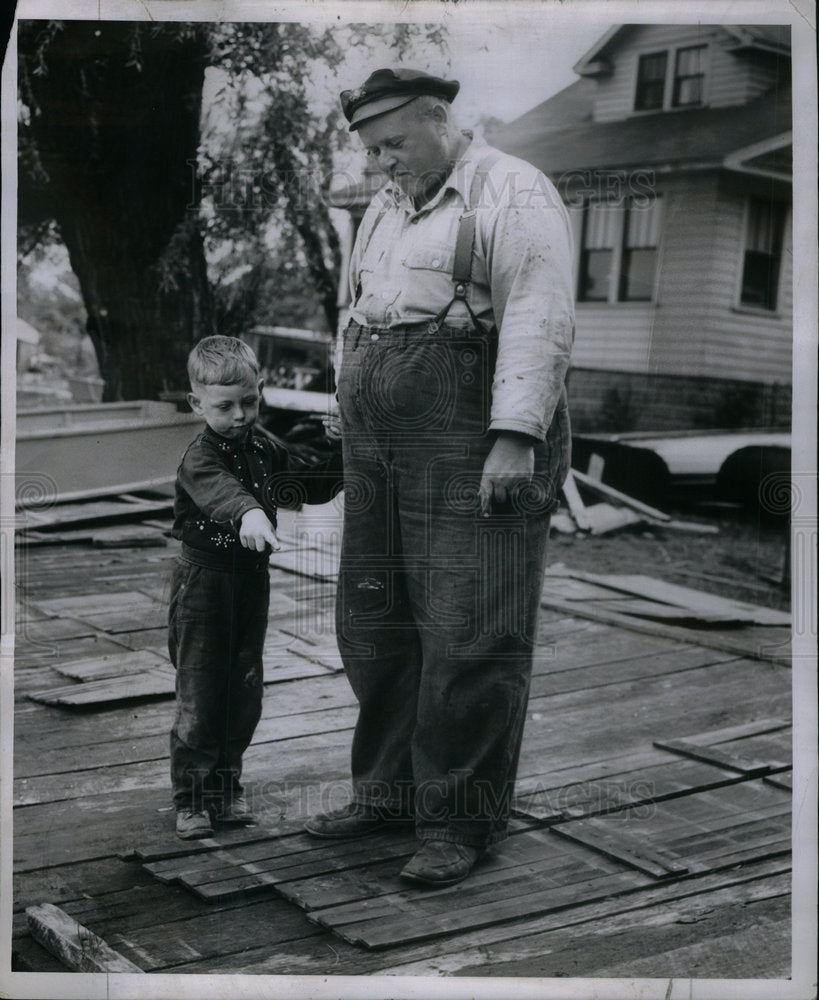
<point x="759" y="642"/>
<point x="353" y="890"/>
<point x="684" y="597"/>
<point x="75" y="946"/>
<point x="93" y="800"/>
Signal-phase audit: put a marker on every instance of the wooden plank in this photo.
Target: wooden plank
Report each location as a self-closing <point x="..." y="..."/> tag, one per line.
<point x="784" y="780"/>
<point x="232" y="884"/>
<point x="775" y="646"/>
<point x="213" y="934"/>
<point x="129" y="537"/>
<point x="685" y="597"/>
<point x="576" y="505"/>
<point x="152" y="615"/>
<point x="595" y="467"/>
<point x="400" y="920"/>
<point x="579" y="650"/>
<point x="96" y="511"/>
<point x="34" y="634"/>
<point x="603" y="518"/>
<point x="528" y="938"/>
<point x="740" y="826"/>
<point x="124" y="664"/>
<point x="32" y="655"/>
<point x="171" y="850"/>
<point x="95" y="603"/>
<point x="609" y="493"/>
<point x="583" y="940"/>
<point x="619" y="846"/>
<point x="582" y="726"/>
<point x="587" y="788"/>
<point x="147" y="684"/>
<point x="75" y="946"/>
<point x="394" y="926"/>
<point x="712" y="755"/>
<point x="533" y="859"/>
<point x="637" y="787"/>
<point x="755" y="727"/>
<point x="668" y="612"/>
<point x="645" y="665"/>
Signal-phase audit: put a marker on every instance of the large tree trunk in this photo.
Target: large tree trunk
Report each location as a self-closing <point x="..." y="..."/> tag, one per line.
<point x="115" y="123"/>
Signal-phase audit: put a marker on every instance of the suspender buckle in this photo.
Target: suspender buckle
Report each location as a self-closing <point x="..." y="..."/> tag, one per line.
<point x="460" y="290"/>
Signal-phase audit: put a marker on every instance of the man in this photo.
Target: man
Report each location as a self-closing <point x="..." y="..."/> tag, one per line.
<point x="456" y="441"/>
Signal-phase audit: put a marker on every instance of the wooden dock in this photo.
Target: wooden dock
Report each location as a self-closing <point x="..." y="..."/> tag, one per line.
<point x="652" y="830"/>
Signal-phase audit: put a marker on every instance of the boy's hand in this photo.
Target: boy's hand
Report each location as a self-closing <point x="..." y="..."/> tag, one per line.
<point x="256" y="532"/>
<point x="332" y="423"/>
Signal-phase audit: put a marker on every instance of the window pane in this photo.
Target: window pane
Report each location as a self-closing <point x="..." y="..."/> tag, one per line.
<point x="688" y="92"/>
<point x="689" y="73"/>
<point x="763" y="252"/>
<point x="595" y="268"/>
<point x="653" y="67"/>
<point x="760" y="277"/>
<point x="690" y="61"/>
<point x="637" y="277"/>
<point x="601" y="226"/>
<point x="651" y="82"/>
<point x="643" y="228"/>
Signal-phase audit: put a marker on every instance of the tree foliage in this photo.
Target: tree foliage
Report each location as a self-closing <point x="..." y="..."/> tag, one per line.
<point x="180" y="217"/>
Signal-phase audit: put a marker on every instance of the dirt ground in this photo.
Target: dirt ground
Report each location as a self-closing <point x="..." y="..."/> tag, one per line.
<point x="746" y="560"/>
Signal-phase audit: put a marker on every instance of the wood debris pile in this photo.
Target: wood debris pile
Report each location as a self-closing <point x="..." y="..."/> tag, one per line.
<point x="611" y="511"/>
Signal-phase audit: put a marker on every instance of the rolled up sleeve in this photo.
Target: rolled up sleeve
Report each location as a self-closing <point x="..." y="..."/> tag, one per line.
<point x="529" y="262"/>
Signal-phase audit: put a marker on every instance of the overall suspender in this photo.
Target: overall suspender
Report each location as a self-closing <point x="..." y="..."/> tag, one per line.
<point x="464" y="242"/>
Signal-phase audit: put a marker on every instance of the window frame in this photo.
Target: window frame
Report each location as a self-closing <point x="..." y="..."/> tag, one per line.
<point x="640" y="59"/>
<point x="783" y="208"/>
<point x="676" y="77"/>
<point x="671" y="53"/>
<point x="615" y="279"/>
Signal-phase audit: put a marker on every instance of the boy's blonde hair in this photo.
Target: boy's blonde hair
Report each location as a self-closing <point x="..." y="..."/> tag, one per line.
<point x="222" y="361"/>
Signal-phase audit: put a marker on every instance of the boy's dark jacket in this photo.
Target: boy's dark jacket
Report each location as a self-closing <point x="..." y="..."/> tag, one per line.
<point x="220" y="479"/>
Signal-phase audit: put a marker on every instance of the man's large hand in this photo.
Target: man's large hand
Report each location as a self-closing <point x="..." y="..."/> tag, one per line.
<point x="510" y="463"/>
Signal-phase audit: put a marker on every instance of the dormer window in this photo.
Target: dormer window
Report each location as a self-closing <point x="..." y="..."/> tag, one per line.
<point x="658" y="89"/>
<point x="651" y="82"/>
<point x="689" y="76"/>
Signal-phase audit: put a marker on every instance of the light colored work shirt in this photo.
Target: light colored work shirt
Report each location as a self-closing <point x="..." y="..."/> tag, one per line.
<point x="401" y="272"/>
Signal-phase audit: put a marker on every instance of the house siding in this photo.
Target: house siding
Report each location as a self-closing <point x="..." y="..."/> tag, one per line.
<point x="731" y="77"/>
<point x="752" y="345"/>
<point x="694" y="329"/>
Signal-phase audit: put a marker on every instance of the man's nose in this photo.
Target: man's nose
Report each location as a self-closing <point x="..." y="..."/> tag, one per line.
<point x="387" y="161"/>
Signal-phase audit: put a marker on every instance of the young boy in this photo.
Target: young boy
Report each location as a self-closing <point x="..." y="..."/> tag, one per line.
<point x="225" y="516"/>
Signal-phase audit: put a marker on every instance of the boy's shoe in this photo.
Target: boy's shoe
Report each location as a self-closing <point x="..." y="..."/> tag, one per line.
<point x="191" y="825"/>
<point x="235" y="810"/>
<point x="353" y="820"/>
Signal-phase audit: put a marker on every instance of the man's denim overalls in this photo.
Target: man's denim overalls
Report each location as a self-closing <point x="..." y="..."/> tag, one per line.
<point x="437" y="605"/>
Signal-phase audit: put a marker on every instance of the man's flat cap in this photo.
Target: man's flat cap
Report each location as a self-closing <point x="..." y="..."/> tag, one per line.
<point x="387" y="89"/>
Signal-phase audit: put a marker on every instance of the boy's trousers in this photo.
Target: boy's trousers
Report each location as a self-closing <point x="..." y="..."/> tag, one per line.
<point x="216" y="630"/>
<point x="437" y="605"/>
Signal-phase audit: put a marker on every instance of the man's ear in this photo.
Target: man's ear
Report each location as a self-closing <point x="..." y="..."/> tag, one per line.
<point x="261" y="385"/>
<point x="439" y="115"/>
<point x="195" y="404"/>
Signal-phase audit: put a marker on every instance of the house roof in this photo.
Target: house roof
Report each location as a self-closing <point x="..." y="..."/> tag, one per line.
<point x="771" y="37"/>
<point x="698" y="136"/>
